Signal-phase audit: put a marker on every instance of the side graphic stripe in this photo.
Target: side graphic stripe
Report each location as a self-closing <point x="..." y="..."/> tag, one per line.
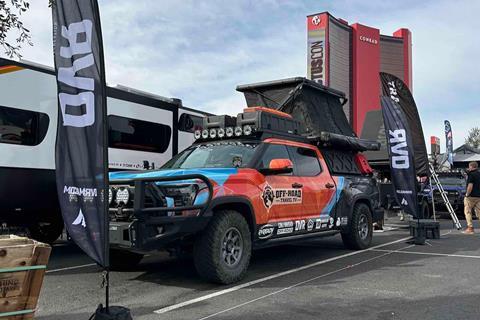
<point x="8" y="69"/>
<point x="333" y="200"/>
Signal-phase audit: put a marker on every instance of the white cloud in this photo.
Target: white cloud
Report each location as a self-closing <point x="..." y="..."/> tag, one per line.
<point x="200" y="50"/>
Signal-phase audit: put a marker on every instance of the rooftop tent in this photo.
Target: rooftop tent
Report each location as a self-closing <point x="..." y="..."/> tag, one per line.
<point x="318" y="107"/>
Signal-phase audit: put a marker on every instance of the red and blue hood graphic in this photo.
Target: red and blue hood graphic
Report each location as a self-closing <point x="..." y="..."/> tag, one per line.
<point x="217" y="175"/>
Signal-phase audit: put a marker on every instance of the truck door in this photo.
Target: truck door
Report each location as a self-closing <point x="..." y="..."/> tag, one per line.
<point x="281" y="195"/>
<point x="318" y="187"/>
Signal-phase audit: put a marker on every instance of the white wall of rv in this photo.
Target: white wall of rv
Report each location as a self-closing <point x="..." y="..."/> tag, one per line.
<point x="36" y="91"/>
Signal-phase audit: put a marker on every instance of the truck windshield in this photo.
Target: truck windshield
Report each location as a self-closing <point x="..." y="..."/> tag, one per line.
<point x="224" y="154"/>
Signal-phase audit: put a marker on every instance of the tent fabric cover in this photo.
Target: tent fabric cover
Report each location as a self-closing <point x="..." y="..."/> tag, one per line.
<point x="317" y="107"/>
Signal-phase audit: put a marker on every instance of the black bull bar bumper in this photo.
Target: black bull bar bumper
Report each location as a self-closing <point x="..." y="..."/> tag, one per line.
<point x="150" y="230"/>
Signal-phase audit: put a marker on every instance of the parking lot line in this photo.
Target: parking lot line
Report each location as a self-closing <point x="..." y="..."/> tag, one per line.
<point x="430" y="254"/>
<point x="273" y="276"/>
<point x="305" y="281"/>
<point x="71" y="268"/>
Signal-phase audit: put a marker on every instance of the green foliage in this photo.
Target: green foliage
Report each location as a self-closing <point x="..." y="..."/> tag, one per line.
<point x="473" y="138"/>
<point x="10" y="21"/>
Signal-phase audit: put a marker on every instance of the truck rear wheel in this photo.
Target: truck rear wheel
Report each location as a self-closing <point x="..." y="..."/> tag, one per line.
<point x="123" y="259"/>
<point x="359" y="235"/>
<point x="48" y="230"/>
<point x="222" y="251"/>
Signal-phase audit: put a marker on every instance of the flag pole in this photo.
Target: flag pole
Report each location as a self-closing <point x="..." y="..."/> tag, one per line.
<point x="105" y="163"/>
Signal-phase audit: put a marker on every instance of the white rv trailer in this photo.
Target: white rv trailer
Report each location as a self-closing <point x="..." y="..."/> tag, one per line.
<point x="145" y="131"/>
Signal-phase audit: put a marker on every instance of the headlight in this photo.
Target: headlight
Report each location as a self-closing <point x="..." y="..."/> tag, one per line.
<point x="213" y="133"/>
<point x="221" y="133"/>
<point x="122" y="196"/>
<point x="198" y="134"/>
<point x="229" y="132"/>
<point x="182" y="195"/>
<point x="238" y="131"/>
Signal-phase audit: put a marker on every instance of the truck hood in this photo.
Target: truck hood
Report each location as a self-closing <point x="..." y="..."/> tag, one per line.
<point x="216" y="175"/>
<point x="460" y="189"/>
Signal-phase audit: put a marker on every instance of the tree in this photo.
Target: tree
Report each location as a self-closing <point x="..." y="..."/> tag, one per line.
<point x="473" y="138"/>
<point x="9" y="22"/>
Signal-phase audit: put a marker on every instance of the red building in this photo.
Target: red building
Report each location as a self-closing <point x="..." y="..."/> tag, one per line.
<point x="349" y="58"/>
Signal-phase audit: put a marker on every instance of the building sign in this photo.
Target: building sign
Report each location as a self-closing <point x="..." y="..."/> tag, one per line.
<point x="368" y="39"/>
<point x="317" y="49"/>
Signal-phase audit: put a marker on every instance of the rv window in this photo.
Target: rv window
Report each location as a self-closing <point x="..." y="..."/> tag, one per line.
<point x="190" y="123"/>
<point x="133" y="134"/>
<point x="22" y="127"/>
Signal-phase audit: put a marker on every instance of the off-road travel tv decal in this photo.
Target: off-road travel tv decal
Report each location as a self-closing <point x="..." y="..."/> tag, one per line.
<point x="271" y="196"/>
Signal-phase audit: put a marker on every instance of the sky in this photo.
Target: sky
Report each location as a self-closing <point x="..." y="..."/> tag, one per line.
<point x="199" y="51"/>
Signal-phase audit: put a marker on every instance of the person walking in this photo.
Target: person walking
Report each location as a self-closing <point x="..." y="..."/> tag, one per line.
<point x="472" y="196"/>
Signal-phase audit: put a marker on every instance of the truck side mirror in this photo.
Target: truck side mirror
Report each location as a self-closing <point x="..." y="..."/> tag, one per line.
<point x="278" y="166"/>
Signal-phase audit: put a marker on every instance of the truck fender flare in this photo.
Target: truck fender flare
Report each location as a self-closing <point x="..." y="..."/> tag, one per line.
<point x="357" y="199"/>
<point x="230" y="202"/>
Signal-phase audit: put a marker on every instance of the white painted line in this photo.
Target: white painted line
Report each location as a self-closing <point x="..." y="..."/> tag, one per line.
<point x="431" y="254"/>
<point x="71" y="268"/>
<point x="273" y="276"/>
<point x="302" y="282"/>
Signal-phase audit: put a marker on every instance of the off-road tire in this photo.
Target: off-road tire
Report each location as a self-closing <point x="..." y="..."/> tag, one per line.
<point x="123" y="260"/>
<point x="47" y="231"/>
<point x="208" y="253"/>
<point x="351" y="238"/>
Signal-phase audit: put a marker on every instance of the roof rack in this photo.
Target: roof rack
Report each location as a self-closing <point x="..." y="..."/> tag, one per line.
<point x="256" y="122"/>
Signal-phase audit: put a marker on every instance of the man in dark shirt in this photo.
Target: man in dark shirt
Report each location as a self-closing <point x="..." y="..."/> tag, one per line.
<point x="472" y="196"/>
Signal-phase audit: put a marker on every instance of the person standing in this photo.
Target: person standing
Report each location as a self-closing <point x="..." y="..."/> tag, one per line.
<point x="472" y="196"/>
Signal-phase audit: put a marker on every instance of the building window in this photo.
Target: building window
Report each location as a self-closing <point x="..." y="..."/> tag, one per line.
<point x="190" y="123"/>
<point x="133" y="134"/>
<point x="305" y="162"/>
<point x="22" y="127"/>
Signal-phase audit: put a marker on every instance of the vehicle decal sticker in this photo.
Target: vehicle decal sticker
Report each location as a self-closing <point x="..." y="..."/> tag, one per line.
<point x="285" y="227"/>
<point x="299" y="225"/>
<point x="266" y="231"/>
<point x="272" y="196"/>
<point x="296" y="227"/>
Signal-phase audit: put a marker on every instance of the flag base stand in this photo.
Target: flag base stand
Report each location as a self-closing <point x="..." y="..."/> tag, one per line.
<point x="423" y="229"/>
<point x="114" y="313"/>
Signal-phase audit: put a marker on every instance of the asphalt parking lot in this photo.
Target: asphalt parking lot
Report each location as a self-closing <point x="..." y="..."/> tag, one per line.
<point x="318" y="279"/>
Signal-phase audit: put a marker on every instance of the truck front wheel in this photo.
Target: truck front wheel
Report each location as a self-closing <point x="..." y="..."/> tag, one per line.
<point x="123" y="259"/>
<point x="48" y="230"/>
<point x="222" y="251"/>
<point x="360" y="230"/>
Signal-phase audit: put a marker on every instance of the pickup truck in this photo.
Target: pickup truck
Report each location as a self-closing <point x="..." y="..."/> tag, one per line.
<point x="237" y="188"/>
<point x="454" y="184"/>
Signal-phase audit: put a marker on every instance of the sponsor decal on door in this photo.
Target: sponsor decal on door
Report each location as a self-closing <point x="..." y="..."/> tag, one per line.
<point x="271" y="196"/>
